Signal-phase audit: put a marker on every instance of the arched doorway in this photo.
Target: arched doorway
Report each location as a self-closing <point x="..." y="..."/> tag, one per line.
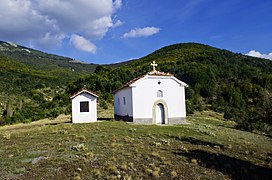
<point x="160" y="114"/>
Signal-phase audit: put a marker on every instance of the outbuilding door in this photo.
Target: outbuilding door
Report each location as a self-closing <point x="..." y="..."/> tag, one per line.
<point x="160" y="115"/>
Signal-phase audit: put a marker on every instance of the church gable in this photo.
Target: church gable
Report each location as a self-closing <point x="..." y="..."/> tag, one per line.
<point x="153" y="75"/>
<point x="159" y="78"/>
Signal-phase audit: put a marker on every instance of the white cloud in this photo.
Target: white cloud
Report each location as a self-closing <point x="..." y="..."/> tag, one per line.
<point x="117" y="24"/>
<point x="38" y="22"/>
<point x="141" y="32"/>
<point x="82" y="44"/>
<point x="49" y="41"/>
<point x="117" y="4"/>
<point x="255" y="53"/>
<point x="19" y="21"/>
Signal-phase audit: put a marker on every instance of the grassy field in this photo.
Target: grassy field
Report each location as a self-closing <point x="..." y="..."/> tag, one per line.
<point x="206" y="148"/>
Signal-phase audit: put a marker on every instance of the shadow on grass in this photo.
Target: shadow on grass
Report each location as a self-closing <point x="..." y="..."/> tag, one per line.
<point x="70" y="122"/>
<point x="194" y="141"/>
<point x="105" y="119"/>
<point x="233" y="167"/>
<point x="57" y="123"/>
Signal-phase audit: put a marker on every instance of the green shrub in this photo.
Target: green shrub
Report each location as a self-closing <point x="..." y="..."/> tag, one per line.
<point x="189" y="107"/>
<point x="227" y="113"/>
<point x="54" y="113"/>
<point x="103" y="104"/>
<point x="7" y="120"/>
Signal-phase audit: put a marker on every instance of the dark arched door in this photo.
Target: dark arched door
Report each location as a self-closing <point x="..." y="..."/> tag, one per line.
<point x="160" y="114"/>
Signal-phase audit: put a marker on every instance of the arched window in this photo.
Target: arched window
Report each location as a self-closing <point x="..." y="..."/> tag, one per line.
<point x="159" y="93"/>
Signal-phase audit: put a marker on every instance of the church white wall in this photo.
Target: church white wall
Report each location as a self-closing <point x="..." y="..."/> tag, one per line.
<point x="176" y="102"/>
<point x="145" y="94"/>
<point x="120" y="108"/>
<point x="84" y="117"/>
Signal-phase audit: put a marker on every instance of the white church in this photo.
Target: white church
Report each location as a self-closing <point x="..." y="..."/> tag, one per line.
<point x="155" y="98"/>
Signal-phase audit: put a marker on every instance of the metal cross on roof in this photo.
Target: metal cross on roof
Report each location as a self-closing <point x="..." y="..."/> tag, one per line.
<point x="154" y="65"/>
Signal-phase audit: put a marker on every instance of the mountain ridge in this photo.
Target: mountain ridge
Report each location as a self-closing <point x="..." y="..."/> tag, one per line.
<point x="43" y="61"/>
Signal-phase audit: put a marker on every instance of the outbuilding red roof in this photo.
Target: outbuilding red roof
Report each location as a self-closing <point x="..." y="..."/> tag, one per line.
<point x="82" y="91"/>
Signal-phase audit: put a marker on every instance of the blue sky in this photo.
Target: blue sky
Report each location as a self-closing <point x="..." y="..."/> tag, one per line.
<point x="106" y="31"/>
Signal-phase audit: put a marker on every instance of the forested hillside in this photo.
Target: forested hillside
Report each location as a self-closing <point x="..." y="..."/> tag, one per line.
<point x="237" y="85"/>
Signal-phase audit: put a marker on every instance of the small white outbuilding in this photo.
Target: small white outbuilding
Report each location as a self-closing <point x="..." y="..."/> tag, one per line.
<point x="84" y="106"/>
<point x="155" y="98"/>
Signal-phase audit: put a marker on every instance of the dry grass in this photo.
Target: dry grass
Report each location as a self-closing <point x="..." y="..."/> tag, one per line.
<point x="207" y="148"/>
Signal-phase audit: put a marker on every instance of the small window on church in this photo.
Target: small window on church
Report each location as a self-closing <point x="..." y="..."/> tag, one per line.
<point x="159" y="93"/>
<point x="118" y="101"/>
<point x="84" y="106"/>
<point x="124" y="98"/>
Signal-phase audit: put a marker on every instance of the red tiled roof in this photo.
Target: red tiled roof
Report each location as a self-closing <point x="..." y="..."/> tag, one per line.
<point x="83" y="90"/>
<point x="158" y="73"/>
<point x="152" y="73"/>
<point x="129" y="83"/>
